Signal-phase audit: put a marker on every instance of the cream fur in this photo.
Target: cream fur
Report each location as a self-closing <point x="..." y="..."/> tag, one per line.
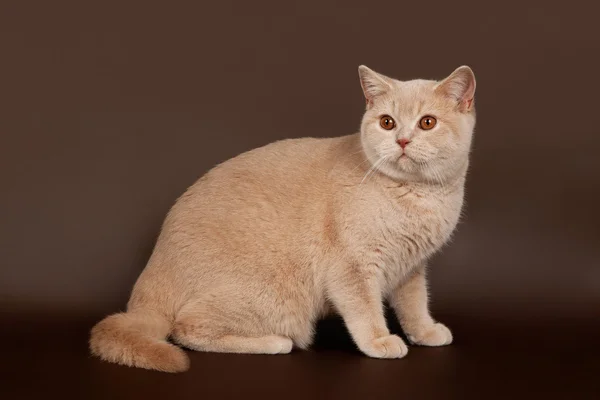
<point x="265" y="244"/>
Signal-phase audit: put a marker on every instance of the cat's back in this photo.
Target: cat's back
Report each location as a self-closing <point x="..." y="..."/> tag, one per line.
<point x="269" y="172"/>
<point x="286" y="158"/>
<point x="283" y="180"/>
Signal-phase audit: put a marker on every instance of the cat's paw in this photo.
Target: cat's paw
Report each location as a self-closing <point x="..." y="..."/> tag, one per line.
<point x="391" y="346"/>
<point x="278" y="344"/>
<point x="433" y="335"/>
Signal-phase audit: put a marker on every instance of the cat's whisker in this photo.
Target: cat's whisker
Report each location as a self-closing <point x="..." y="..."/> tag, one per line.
<point x="359" y="164"/>
<point x="352" y="154"/>
<point x="424" y="165"/>
<point x="370" y="171"/>
<point x="374" y="168"/>
<point x="385" y="163"/>
<point x="439" y="178"/>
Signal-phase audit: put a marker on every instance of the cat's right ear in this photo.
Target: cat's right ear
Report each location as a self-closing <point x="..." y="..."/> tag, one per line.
<point x="372" y="83"/>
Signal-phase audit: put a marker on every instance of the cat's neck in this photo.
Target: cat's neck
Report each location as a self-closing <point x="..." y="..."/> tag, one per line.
<point x="447" y="187"/>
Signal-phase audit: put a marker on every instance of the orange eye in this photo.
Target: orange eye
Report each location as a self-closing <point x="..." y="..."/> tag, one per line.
<point x="387" y="122"/>
<point x="426" y="123"/>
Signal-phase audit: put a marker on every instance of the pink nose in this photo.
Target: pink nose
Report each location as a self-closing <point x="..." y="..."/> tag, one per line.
<point x="403" y="142"/>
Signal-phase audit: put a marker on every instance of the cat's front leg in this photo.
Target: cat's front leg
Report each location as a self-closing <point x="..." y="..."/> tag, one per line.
<point x="410" y="302"/>
<point x="356" y="294"/>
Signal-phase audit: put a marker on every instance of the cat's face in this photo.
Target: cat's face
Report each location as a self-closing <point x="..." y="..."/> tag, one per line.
<point x="418" y="130"/>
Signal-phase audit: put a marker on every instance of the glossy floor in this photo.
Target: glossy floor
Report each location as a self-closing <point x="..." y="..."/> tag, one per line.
<point x="491" y="358"/>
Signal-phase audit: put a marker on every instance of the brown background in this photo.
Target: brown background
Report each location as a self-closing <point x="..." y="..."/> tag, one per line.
<point x="109" y="111"/>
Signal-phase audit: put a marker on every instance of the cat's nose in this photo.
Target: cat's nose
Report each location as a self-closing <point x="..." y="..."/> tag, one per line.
<point x="403" y="142"/>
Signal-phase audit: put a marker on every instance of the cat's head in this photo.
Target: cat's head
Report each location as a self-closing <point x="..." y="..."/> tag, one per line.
<point x="418" y="130"/>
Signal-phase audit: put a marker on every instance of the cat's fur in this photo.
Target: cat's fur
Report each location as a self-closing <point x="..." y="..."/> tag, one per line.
<point x="265" y="244"/>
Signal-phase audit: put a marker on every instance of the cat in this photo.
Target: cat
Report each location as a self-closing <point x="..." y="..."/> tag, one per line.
<point x="267" y="243"/>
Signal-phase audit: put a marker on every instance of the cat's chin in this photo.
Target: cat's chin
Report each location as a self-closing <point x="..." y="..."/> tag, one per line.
<point x="403" y="171"/>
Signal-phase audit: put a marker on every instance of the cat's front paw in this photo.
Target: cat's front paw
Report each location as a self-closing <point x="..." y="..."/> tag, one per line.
<point x="390" y="346"/>
<point x="433" y="335"/>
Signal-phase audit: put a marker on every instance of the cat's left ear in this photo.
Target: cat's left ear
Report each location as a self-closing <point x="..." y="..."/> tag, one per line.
<point x="460" y="86"/>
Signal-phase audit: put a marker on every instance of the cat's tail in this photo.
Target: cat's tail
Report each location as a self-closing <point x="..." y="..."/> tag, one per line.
<point x="138" y="339"/>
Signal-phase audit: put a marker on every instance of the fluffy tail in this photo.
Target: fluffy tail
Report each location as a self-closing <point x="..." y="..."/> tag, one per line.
<point x="138" y="339"/>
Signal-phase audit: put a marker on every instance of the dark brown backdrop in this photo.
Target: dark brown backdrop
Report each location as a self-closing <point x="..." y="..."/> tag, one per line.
<point x="109" y="111"/>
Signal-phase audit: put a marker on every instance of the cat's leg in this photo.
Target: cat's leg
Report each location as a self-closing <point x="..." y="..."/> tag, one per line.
<point x="356" y="294"/>
<point x="202" y="332"/>
<point x="410" y="302"/>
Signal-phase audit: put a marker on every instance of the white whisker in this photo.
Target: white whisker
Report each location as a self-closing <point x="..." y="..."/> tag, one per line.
<point x="374" y="168"/>
<point x="359" y="164"/>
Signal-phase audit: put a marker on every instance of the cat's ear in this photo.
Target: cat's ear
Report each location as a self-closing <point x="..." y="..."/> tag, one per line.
<point x="460" y="86"/>
<point x="372" y="83"/>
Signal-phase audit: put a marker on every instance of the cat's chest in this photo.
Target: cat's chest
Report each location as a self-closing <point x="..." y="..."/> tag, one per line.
<point x="415" y="223"/>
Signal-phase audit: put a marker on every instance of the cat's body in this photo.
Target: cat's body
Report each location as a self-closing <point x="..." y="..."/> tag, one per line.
<point x="265" y="244"/>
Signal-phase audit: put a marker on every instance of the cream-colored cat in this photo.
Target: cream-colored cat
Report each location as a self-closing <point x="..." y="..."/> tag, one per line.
<point x="265" y="244"/>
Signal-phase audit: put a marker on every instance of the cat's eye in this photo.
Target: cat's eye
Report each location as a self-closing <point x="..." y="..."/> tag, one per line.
<point x="387" y="122"/>
<point x="426" y="123"/>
